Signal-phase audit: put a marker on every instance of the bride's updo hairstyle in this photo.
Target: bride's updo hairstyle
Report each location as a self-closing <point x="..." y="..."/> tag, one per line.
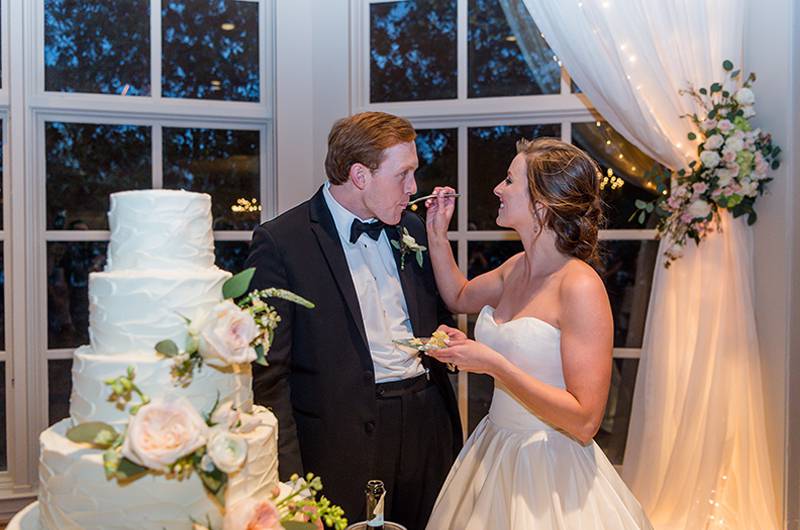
<point x="565" y="182"/>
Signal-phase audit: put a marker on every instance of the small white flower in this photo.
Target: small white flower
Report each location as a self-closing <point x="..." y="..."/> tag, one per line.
<point x="734" y="143"/>
<point x="227" y="450"/>
<point x="710" y="159"/>
<point x="707" y="124"/>
<point x="725" y="175"/>
<point x="713" y="142"/>
<point x="748" y="112"/>
<point x="750" y="188"/>
<point x="745" y="96"/>
<point x="699" y="209"/>
<point x="206" y="463"/>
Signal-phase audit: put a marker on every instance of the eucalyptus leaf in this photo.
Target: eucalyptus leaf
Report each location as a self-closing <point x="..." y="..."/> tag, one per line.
<point x="168" y="348"/>
<point x="260" y="357"/>
<point x="735" y="74"/>
<point x="692" y="136"/>
<point x="237" y="286"/>
<point x="716" y="87"/>
<point x="395" y="244"/>
<point x="703" y="91"/>
<point x="752" y="218"/>
<point x="284" y="294"/>
<point x="419" y="258"/>
<point x="128" y="470"/>
<point x="640" y="204"/>
<point x="641" y="217"/>
<point x="87" y="433"/>
<point x="727" y="65"/>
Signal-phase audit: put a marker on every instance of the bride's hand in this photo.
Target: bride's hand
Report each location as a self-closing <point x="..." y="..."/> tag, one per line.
<point x="454" y="335"/>
<point x="440" y="211"/>
<point x="469" y="356"/>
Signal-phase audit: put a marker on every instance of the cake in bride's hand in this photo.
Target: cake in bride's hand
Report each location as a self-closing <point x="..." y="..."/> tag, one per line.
<point x="162" y="435"/>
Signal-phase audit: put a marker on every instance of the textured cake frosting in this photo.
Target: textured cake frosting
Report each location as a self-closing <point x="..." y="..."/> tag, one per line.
<point x="160" y="269"/>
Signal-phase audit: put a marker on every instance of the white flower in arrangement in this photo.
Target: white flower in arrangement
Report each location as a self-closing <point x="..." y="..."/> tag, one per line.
<point x="749" y="188"/>
<point x="734" y="143"/>
<point x="748" y="112"/>
<point x="714" y="142"/>
<point x="699" y="209"/>
<point x="225" y="334"/>
<point x="252" y="514"/>
<point x="232" y="419"/>
<point x="745" y="96"/>
<point x="710" y="159"/>
<point x="227" y="450"/>
<point x="725" y="175"/>
<point x="163" y="431"/>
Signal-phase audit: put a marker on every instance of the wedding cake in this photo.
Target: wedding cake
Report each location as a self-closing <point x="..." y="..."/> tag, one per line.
<point x="160" y="272"/>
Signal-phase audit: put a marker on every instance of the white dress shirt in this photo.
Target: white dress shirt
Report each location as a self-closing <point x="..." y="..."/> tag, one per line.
<point x="380" y="296"/>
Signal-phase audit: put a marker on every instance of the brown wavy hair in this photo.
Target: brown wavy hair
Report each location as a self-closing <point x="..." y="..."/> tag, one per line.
<point x="361" y="138"/>
<point x="565" y="181"/>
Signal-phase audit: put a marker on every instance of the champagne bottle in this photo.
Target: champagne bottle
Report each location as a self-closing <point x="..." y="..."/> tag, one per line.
<point x="375" y="502"/>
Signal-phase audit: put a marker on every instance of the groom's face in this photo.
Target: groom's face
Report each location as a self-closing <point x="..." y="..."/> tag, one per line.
<point x="389" y="187"/>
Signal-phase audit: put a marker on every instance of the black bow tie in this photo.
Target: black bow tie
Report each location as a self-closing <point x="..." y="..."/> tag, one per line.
<point x="373" y="230"/>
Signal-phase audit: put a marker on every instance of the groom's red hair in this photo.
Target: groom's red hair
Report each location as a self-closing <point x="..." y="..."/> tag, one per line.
<point x="361" y="139"/>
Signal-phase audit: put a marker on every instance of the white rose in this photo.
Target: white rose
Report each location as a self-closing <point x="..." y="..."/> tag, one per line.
<point x="227" y="450"/>
<point x="725" y="125"/>
<point x="725" y="175"/>
<point x="699" y="209"/>
<point x="225" y="415"/>
<point x="707" y="124"/>
<point x="226" y="334"/>
<point x="748" y="112"/>
<point x="713" y="142"/>
<point x="409" y="241"/>
<point x="750" y="188"/>
<point x="163" y="431"/>
<point x="710" y="159"/>
<point x="745" y="96"/>
<point x="250" y="514"/>
<point x="734" y="143"/>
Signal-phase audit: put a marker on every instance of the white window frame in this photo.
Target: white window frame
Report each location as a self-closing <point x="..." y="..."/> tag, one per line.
<point x="462" y="113"/>
<point x="25" y="236"/>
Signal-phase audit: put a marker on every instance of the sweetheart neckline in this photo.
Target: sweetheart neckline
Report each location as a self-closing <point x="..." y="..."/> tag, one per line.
<point x="496" y="323"/>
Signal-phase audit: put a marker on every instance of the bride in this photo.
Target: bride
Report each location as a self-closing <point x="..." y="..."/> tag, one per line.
<point x="545" y="334"/>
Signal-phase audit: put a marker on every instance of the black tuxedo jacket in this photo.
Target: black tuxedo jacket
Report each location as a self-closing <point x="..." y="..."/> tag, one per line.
<point x="320" y="381"/>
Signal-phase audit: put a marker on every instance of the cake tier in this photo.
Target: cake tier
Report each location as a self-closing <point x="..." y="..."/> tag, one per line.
<point x="133" y="310"/>
<point x="75" y="494"/>
<point x="160" y="229"/>
<point x="89" y="400"/>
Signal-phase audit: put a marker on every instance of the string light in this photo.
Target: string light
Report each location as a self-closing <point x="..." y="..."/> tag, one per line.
<point x="244" y="206"/>
<point x="610" y="179"/>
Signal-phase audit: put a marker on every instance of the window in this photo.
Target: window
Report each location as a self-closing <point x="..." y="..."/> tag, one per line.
<point x="134" y="94"/>
<point x="472" y="88"/>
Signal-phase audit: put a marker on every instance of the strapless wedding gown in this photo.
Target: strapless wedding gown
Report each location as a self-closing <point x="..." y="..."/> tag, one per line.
<point x="517" y="472"/>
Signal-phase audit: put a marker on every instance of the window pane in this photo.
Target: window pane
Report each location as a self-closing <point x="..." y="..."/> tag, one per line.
<point x="231" y="255"/>
<point x="437" y="150"/>
<point x="97" y="47"/>
<point x="59" y="381"/>
<point x="629" y="173"/>
<point x="413" y="50"/>
<point x="483" y="257"/>
<point x="2" y="299"/>
<point x="508" y="60"/>
<point x="489" y="153"/>
<point x="86" y="162"/>
<point x="210" y="49"/>
<point x="221" y="162"/>
<point x="1" y="173"/>
<point x="628" y="275"/>
<point x="613" y="431"/>
<point x="68" y="268"/>
<point x="3" y="432"/>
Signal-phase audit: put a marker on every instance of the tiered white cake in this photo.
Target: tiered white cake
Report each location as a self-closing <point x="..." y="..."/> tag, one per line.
<point x="160" y="267"/>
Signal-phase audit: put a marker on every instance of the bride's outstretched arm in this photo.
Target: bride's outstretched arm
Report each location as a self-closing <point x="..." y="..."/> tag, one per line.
<point x="586" y="350"/>
<point x="459" y="294"/>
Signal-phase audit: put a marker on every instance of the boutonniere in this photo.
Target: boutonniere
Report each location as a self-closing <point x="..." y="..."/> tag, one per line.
<point x="408" y="245"/>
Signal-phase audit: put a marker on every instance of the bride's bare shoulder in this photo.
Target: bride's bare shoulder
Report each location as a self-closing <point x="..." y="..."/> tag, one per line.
<point x="580" y="283"/>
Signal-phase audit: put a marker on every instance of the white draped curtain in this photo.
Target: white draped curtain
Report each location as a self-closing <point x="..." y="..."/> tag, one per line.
<point x="697" y="454"/>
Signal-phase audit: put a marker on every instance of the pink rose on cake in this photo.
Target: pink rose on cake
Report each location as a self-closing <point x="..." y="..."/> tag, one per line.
<point x="251" y="514"/>
<point x="163" y="431"/>
<point x="226" y="334"/>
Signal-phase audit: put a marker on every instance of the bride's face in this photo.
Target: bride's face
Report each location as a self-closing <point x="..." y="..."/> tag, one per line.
<point x="515" y="200"/>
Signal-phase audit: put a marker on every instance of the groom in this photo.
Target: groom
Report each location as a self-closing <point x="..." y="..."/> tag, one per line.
<point x="351" y="405"/>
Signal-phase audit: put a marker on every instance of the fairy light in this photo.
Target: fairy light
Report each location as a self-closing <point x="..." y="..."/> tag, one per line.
<point x="611" y="180"/>
<point x="246" y="206"/>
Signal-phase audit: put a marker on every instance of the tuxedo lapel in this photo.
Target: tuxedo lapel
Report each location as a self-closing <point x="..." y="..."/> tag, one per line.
<point x="408" y="277"/>
<point x="328" y="238"/>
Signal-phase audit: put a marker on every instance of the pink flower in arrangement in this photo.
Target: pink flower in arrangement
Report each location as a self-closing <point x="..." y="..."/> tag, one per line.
<point x="728" y="156"/>
<point x="251" y="514"/>
<point x="707" y="125"/>
<point x="725" y="126"/>
<point x="686" y="217"/>
<point x="699" y="187"/>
